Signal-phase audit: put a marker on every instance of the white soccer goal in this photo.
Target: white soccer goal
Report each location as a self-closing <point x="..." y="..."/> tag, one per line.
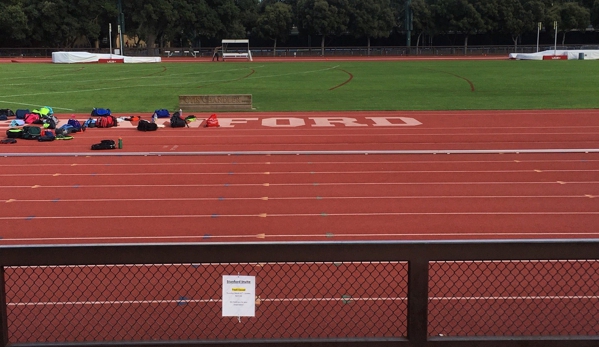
<point x="239" y="49"/>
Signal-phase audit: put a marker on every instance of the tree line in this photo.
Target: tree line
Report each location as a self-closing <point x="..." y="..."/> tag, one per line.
<point x="63" y="23"/>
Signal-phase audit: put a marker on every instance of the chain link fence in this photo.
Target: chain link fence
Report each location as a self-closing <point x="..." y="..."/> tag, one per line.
<point x="514" y="298"/>
<point x="184" y="302"/>
<point x="354" y="294"/>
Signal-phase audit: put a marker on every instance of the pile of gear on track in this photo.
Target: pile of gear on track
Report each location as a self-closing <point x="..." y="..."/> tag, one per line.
<point x="41" y="124"/>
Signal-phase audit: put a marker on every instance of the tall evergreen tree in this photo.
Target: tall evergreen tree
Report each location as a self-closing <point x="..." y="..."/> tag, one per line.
<point x="322" y="17"/>
<point x="371" y="19"/>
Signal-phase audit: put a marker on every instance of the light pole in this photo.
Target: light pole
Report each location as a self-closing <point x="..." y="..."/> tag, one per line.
<point x="538" y="32"/>
<point x="409" y="24"/>
<point x="110" y="38"/>
<point x="121" y="25"/>
<point x="555" y="45"/>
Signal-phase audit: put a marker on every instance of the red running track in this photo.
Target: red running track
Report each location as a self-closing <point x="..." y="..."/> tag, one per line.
<point x="206" y="185"/>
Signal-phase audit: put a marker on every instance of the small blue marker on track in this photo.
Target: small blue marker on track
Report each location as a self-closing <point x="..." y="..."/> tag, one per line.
<point x="29" y="218"/>
<point x="182" y="301"/>
<point x="214" y="215"/>
<point x="56" y="200"/>
<point x="220" y="198"/>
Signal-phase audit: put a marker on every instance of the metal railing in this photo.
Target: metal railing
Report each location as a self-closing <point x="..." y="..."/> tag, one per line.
<point x="303" y="51"/>
<point x="441" y="293"/>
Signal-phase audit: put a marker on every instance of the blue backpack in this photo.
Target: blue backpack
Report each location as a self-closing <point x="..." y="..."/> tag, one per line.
<point x="100" y="112"/>
<point x="162" y="113"/>
<point x="47" y="136"/>
<point x="21" y="113"/>
<point x="90" y="123"/>
<point x="75" y="124"/>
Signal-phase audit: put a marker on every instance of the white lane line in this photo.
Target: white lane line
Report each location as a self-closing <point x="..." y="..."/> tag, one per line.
<point x="273" y="215"/>
<point x="261" y="173"/>
<point x="185" y="238"/>
<point x="312" y="163"/>
<point x="305" y="152"/>
<point x="183" y="301"/>
<point x="225" y="198"/>
<point x="220" y="185"/>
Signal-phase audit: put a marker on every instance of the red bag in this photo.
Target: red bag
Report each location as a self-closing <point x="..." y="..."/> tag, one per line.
<point x="106" y="122"/>
<point x="212" y="121"/>
<point x="31" y="118"/>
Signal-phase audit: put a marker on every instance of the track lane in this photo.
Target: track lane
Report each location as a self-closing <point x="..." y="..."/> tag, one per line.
<point x="189" y="198"/>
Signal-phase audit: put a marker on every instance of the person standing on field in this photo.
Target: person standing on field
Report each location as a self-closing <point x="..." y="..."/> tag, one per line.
<point x="216" y="53"/>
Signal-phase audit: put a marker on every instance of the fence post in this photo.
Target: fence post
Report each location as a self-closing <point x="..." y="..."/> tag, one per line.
<point x="418" y="301"/>
<point x="3" y="317"/>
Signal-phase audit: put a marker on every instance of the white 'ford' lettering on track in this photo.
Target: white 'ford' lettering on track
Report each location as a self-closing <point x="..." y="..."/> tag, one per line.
<point x="285" y="122"/>
<point x="295" y="122"/>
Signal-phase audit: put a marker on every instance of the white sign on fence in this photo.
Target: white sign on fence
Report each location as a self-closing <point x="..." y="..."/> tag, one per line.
<point x="239" y="296"/>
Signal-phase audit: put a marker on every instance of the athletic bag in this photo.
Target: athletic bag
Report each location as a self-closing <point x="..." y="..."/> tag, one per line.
<point x="20" y="114"/>
<point x="144" y="125"/>
<point x="6" y="112"/>
<point x="31" y="118"/>
<point x="50" y="122"/>
<point x="14" y="133"/>
<point x="212" y="121"/>
<point x="47" y="136"/>
<point x="47" y="111"/>
<point x="75" y="124"/>
<point x="31" y="132"/>
<point x="100" y="112"/>
<point x="90" y="123"/>
<point x="104" y="144"/>
<point x="16" y="123"/>
<point x="106" y="122"/>
<point x="177" y="121"/>
<point x="162" y="113"/>
<point x="65" y="129"/>
<point x="43" y="112"/>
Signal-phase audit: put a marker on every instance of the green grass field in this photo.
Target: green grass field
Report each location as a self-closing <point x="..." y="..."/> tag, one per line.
<point x="306" y="86"/>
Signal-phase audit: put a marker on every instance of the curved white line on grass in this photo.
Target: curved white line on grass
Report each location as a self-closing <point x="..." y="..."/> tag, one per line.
<point x="295" y="73"/>
<point x="161" y="85"/>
